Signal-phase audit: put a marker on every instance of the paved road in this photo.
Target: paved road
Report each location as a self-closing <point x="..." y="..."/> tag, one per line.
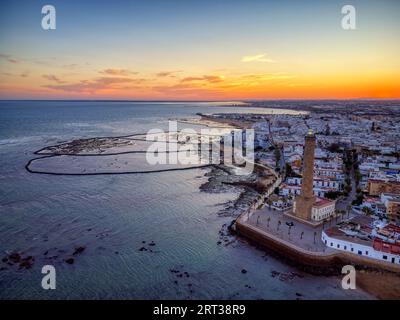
<point x="344" y="203"/>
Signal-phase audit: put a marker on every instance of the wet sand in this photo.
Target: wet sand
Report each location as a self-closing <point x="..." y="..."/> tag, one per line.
<point x="382" y="285"/>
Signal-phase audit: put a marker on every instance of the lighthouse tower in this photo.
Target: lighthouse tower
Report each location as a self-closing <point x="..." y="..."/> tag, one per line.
<point x="304" y="202"/>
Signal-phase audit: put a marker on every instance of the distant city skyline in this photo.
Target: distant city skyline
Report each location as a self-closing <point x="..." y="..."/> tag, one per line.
<point x="192" y="50"/>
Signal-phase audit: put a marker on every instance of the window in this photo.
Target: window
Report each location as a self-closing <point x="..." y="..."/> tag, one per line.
<point x="345" y="247"/>
<point x="352" y="249"/>
<point x="392" y="260"/>
<point x="366" y="252"/>
<point x="359" y="252"/>
<point x="325" y="241"/>
<point x="338" y="246"/>
<point x="384" y="257"/>
<point x="331" y="244"/>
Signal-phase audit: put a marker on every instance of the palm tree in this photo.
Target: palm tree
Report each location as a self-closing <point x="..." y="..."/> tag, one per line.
<point x="279" y="223"/>
<point x="268" y="220"/>
<point x="315" y="234"/>
<point x="258" y="218"/>
<point x="301" y="235"/>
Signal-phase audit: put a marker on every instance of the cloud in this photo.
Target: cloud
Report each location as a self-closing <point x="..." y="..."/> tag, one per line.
<point x="117" y="72"/>
<point x="53" y="78"/>
<point x="186" y="90"/>
<point x="90" y="86"/>
<point x="258" y="58"/>
<point x="9" y="58"/>
<point x="268" y="76"/>
<point x="163" y="74"/>
<point x="205" y="78"/>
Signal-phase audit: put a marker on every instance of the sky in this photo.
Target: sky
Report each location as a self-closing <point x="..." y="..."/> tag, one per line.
<point x="199" y="50"/>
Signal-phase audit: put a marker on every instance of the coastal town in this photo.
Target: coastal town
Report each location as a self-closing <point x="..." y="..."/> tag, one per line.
<point x="337" y="191"/>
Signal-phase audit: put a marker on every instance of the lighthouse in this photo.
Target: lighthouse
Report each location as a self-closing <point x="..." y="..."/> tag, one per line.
<point x="304" y="202"/>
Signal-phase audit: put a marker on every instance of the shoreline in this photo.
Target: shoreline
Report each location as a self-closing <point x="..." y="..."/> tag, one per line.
<point x="379" y="279"/>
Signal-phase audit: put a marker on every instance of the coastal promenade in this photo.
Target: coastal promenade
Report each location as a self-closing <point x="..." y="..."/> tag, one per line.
<point x="297" y="242"/>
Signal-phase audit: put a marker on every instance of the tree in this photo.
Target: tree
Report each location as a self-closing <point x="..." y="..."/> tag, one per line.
<point x="334" y="148"/>
<point x="327" y="130"/>
<point x="359" y="199"/>
<point x="290" y="172"/>
<point x="367" y="211"/>
<point x="357" y="176"/>
<point x="333" y="195"/>
<point x="277" y="156"/>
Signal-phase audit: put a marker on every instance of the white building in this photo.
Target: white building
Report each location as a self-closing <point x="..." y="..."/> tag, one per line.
<point x="322" y="209"/>
<point x="358" y="248"/>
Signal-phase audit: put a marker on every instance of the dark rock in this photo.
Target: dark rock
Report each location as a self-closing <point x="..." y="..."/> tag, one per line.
<point x="244" y="271"/>
<point x="79" y="250"/>
<point x="299" y="294"/>
<point x="142" y="249"/>
<point x="45" y="254"/>
<point x="27" y="264"/>
<point x="70" y="260"/>
<point x="4" y="259"/>
<point x="275" y="273"/>
<point x="15" y="257"/>
<point x="152" y="243"/>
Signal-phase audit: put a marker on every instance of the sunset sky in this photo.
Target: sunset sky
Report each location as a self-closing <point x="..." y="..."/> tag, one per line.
<point x="199" y="50"/>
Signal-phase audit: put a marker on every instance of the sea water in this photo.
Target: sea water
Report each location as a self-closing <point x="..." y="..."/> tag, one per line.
<point x="146" y="236"/>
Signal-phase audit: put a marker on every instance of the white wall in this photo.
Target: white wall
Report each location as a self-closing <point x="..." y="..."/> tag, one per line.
<point x="348" y="246"/>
